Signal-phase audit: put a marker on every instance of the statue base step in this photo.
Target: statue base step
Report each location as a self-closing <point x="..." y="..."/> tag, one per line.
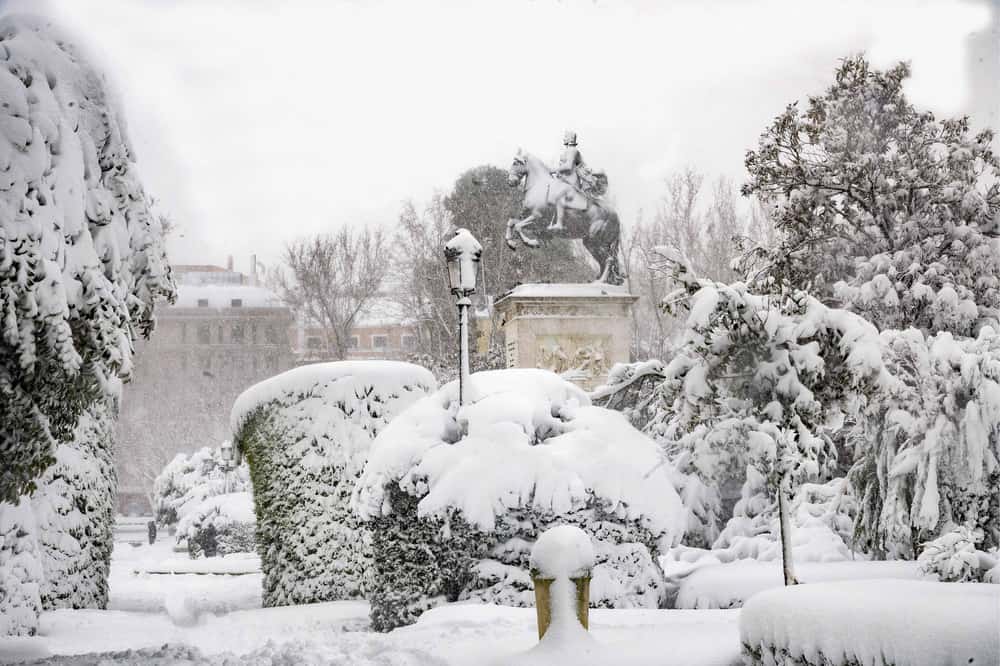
<point x="576" y="330"/>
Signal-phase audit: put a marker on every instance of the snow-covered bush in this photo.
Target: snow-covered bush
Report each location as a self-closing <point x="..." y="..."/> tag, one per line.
<point x="755" y="396"/>
<point x="81" y="252"/>
<point x="74" y="509"/>
<point x="190" y="479"/>
<point x="220" y="525"/>
<point x="456" y="495"/>
<point x="631" y="390"/>
<point x="305" y="434"/>
<point x="928" y="455"/>
<point x="954" y="558"/>
<point x="20" y="570"/>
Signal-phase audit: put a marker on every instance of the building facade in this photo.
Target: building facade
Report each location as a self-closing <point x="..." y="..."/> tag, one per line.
<point x="224" y="333"/>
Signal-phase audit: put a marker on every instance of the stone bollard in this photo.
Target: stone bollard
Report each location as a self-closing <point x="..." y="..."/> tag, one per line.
<point x="561" y="564"/>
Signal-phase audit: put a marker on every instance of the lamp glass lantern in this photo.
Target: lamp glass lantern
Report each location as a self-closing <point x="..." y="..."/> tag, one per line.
<point x="462" y="271"/>
<point x="227" y="453"/>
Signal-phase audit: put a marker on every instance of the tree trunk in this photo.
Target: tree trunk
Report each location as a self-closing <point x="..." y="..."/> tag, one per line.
<point x="785" y="528"/>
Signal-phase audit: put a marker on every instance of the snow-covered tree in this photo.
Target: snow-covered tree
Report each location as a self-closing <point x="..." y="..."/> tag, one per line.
<point x="456" y="495"/>
<point x="306" y="434"/>
<point x="928" y="455"/>
<point x="74" y="508"/>
<point x="758" y="388"/>
<point x="81" y="250"/>
<point x="189" y="479"/>
<point x="881" y="207"/>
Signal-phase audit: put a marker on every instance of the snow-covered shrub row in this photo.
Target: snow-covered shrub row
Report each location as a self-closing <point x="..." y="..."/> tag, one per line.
<point x="74" y="509"/>
<point x="189" y="479"/>
<point x="220" y="525"/>
<point x="928" y="455"/>
<point x="755" y="396"/>
<point x="305" y="434"/>
<point x="81" y="252"/>
<point x="874" y="623"/>
<point x="456" y="495"/>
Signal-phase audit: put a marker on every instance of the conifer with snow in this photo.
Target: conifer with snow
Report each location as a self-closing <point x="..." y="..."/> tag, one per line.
<point x="189" y="479"/>
<point x="306" y="434"/>
<point x="81" y="252"/>
<point x="20" y="570"/>
<point x="758" y="389"/>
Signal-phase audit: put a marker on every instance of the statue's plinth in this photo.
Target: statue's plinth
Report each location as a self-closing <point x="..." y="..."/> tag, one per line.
<point x="576" y="330"/>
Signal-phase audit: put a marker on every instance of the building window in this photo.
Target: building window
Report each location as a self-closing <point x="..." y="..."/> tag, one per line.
<point x="354" y="342"/>
<point x="271" y="335"/>
<point x="184" y="332"/>
<point x="380" y="341"/>
<point x="236" y="333"/>
<point x="253" y="333"/>
<point x="313" y="343"/>
<point x="202" y="302"/>
<point x="204" y="334"/>
<point x="220" y="335"/>
<point x="236" y="302"/>
<point x="409" y="341"/>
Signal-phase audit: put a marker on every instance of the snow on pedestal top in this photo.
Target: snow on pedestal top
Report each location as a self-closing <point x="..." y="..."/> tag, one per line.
<point x="562" y="552"/>
<point x="567" y="290"/>
<point x="526" y="439"/>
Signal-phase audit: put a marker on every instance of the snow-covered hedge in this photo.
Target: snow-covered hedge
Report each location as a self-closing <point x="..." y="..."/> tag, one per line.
<point x="20" y="570"/>
<point x="455" y="496"/>
<point x="875" y="623"/>
<point x="74" y="509"/>
<point x="305" y="434"/>
<point x="220" y="525"/>
<point x="81" y="252"/>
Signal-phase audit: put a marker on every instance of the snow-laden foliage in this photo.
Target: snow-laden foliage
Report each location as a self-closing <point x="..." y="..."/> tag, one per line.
<point x="952" y="557"/>
<point x="822" y="515"/>
<point x="881" y="206"/>
<point x="755" y="395"/>
<point x="630" y="389"/>
<point x="456" y="495"/>
<point x="220" y="525"/>
<point x="928" y="455"/>
<point x="74" y="507"/>
<point x="81" y="251"/>
<point x="189" y="479"/>
<point x="20" y="570"/>
<point x="306" y="434"/>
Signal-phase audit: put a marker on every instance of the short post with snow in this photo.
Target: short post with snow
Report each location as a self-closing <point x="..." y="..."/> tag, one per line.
<point x="462" y="254"/>
<point x="561" y="564"/>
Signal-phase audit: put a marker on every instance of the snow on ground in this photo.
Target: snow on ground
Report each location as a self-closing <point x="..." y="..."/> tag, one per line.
<point x="182" y="594"/>
<point x="333" y="632"/>
<point x="730" y="585"/>
<point x="899" y="622"/>
<point x="218" y="619"/>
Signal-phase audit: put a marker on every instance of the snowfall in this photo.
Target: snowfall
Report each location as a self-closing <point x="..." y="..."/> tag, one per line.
<point x="166" y="608"/>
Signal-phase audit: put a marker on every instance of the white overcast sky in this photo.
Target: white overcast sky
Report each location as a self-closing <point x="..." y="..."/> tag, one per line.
<point x="257" y="122"/>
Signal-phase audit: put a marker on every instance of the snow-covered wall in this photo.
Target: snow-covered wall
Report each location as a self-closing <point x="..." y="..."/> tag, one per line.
<point x="476" y="484"/>
<point x="306" y="435"/>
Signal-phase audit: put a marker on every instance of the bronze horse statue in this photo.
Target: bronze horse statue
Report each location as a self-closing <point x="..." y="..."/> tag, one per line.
<point x="585" y="218"/>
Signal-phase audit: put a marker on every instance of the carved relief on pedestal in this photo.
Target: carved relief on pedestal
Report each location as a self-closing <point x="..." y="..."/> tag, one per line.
<point x="582" y="355"/>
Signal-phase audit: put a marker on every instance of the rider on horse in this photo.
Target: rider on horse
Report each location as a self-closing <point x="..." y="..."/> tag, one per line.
<point x="574" y="171"/>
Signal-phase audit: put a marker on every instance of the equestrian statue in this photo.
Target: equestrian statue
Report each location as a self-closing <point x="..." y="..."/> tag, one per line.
<point x="571" y="197"/>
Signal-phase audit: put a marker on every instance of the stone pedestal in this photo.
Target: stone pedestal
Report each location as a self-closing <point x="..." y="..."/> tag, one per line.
<point x="576" y="330"/>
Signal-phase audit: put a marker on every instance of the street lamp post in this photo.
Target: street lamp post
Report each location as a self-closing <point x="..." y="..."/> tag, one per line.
<point x="462" y="254"/>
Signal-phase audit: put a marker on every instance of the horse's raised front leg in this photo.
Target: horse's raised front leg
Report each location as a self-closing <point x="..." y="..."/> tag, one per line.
<point x="509" y="233"/>
<point x="519" y="227"/>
